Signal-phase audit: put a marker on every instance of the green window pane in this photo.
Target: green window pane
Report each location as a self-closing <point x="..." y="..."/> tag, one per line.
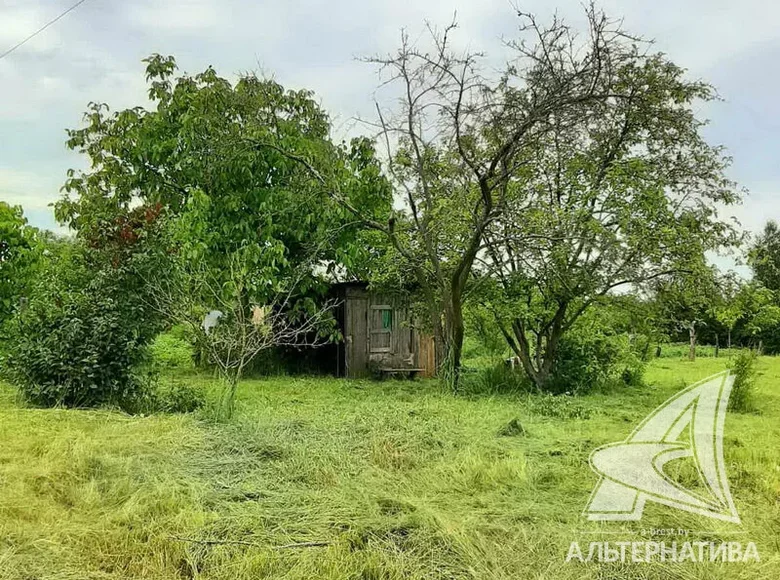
<point x="387" y="319"/>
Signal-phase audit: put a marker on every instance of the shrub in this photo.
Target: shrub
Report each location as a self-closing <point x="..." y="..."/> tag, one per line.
<point x="744" y="370"/>
<point x="590" y="360"/>
<point x="178" y="398"/>
<point x="172" y="350"/>
<point x="81" y="337"/>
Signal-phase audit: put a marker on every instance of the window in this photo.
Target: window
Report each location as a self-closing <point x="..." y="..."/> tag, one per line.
<point x="381" y="328"/>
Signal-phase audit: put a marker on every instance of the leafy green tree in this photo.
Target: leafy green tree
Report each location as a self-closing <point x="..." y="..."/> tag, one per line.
<point x="20" y="251"/>
<point x="211" y="156"/>
<point x="764" y="257"/>
<point x="205" y="180"/>
<point x="686" y="300"/>
<point x="728" y="308"/>
<point x="617" y="194"/>
<point x="760" y="315"/>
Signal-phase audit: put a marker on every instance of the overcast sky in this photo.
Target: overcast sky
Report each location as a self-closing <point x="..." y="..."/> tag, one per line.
<point x="94" y="54"/>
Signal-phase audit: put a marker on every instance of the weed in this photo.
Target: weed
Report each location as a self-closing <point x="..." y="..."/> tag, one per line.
<point x="743" y="368"/>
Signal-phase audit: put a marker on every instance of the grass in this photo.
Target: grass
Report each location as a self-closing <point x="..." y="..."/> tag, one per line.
<point x="388" y="480"/>
<point x="680" y="350"/>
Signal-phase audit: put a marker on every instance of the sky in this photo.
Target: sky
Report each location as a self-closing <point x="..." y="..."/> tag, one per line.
<point x="94" y="53"/>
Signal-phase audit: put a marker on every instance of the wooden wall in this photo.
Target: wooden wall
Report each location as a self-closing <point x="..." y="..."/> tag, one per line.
<point x="368" y="342"/>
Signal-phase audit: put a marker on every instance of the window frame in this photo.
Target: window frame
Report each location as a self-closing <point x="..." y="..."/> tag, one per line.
<point x="372" y="330"/>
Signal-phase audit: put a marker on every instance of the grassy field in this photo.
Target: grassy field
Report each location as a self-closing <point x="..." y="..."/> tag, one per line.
<point x="319" y="478"/>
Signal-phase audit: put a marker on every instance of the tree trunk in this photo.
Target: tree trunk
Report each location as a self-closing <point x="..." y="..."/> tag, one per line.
<point x="717" y="345"/>
<point x="658" y="351"/>
<point x="729" y="339"/>
<point x="539" y="367"/>
<point x="452" y="350"/>
<point x="692" y="347"/>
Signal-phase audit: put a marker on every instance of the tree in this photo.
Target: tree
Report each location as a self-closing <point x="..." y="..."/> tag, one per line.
<point x="211" y="155"/>
<point x="620" y="192"/>
<point x="205" y="181"/>
<point x="460" y="142"/>
<point x="760" y="316"/>
<point x="764" y="257"/>
<point x="20" y="251"/>
<point x="234" y="323"/>
<point x="686" y="300"/>
<point x="729" y="307"/>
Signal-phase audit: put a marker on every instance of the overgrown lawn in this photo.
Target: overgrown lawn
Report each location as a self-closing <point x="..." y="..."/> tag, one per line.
<point x="322" y="478"/>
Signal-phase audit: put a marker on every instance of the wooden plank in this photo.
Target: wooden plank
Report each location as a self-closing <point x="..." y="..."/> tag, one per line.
<point x="426" y="354"/>
<point x="356" y="337"/>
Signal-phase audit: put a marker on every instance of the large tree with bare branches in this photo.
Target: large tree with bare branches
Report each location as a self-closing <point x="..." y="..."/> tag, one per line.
<point x="622" y="193"/>
<point x="463" y="143"/>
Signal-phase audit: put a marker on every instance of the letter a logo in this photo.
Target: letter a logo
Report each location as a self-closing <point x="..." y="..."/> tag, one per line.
<point x="688" y="425"/>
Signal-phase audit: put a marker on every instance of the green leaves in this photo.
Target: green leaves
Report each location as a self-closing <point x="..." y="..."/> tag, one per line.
<point x="20" y="252"/>
<point x="764" y="256"/>
<point x="84" y="330"/>
<point x="221" y="161"/>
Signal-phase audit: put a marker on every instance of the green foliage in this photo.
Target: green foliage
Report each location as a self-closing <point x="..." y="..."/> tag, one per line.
<point x="486" y="339"/>
<point x="82" y="335"/>
<point x="588" y="359"/>
<point x="760" y="317"/>
<point x="608" y="201"/>
<point x="728" y="308"/>
<point x="687" y="301"/>
<point x="543" y="175"/>
<point x="607" y="348"/>
<point x="241" y="186"/>
<point x="558" y="407"/>
<point x="172" y="350"/>
<point x="20" y="251"/>
<point x="743" y="368"/>
<point x="764" y="257"/>
<point x="176" y="397"/>
<point x="496" y="379"/>
<point x="222" y="165"/>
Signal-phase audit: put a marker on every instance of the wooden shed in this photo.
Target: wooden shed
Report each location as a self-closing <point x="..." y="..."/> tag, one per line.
<point x="380" y="336"/>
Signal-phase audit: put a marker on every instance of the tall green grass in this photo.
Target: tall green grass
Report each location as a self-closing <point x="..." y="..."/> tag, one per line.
<point x="319" y="478"/>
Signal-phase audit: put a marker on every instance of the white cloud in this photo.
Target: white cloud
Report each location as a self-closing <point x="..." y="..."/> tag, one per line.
<point x="28" y="189"/>
<point x="20" y="21"/>
<point x="175" y="16"/>
<point x="94" y="55"/>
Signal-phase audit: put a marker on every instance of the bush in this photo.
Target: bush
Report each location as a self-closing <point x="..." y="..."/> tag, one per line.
<point x="744" y="370"/>
<point x="181" y="398"/>
<point x="589" y="360"/>
<point x="82" y="336"/>
<point x="172" y="350"/>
